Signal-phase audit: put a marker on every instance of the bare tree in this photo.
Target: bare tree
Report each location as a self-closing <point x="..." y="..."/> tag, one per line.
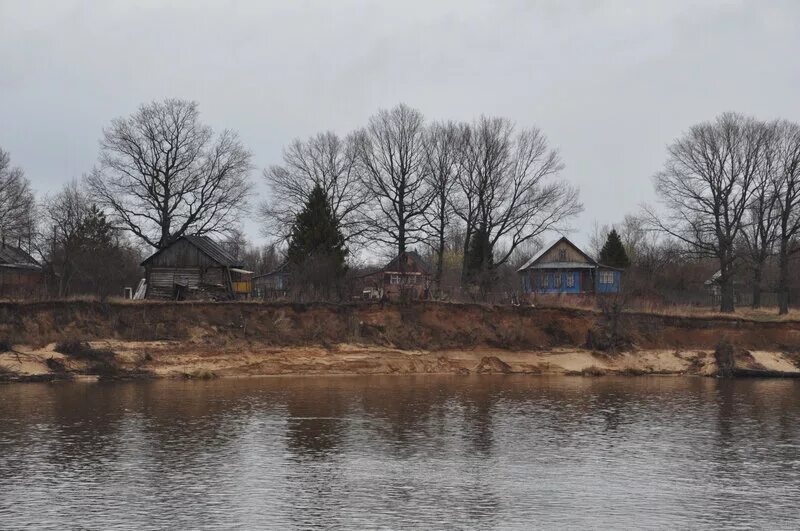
<point x="163" y="174"/>
<point x="442" y="150"/>
<point x="16" y="203"/>
<point x="324" y="160"/>
<point x="598" y="238"/>
<point x="391" y="152"/>
<point x="760" y="229"/>
<point x="507" y="194"/>
<point x="787" y="184"/>
<point x="65" y="214"/>
<point x="85" y="250"/>
<point x="706" y="186"/>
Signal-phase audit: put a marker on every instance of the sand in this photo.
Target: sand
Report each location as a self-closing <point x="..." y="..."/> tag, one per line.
<point x="174" y="359"/>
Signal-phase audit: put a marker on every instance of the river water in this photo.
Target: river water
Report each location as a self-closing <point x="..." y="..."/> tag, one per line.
<point x="398" y="452"/>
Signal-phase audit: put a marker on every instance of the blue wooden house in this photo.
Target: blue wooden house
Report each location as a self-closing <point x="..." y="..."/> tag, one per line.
<point x="561" y="267"/>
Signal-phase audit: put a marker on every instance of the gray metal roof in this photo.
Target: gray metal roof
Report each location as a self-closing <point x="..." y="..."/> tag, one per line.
<point x="11" y="256"/>
<point x="213" y="250"/>
<point x="209" y="247"/>
<point x="394" y="264"/>
<point x="541" y="252"/>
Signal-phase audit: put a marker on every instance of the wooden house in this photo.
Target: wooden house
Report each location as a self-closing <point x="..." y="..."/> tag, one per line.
<point x="20" y="275"/>
<point x="195" y="267"/>
<point x="561" y="267"/>
<point x="406" y="275"/>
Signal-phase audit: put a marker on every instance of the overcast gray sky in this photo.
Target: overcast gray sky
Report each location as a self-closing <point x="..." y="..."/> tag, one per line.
<point x="610" y="83"/>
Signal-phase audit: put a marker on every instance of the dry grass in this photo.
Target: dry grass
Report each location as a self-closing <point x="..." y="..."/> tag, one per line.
<point x="587" y="303"/>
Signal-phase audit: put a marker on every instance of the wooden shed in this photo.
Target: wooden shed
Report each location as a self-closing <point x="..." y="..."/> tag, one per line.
<point x="20" y="275"/>
<point x="195" y="267"/>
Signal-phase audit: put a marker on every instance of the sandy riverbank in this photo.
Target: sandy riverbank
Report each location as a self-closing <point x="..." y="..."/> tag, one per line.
<point x="173" y="360"/>
<point x="254" y="339"/>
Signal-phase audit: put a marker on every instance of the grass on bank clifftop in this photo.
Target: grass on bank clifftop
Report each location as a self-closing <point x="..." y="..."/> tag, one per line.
<point x="584" y="303"/>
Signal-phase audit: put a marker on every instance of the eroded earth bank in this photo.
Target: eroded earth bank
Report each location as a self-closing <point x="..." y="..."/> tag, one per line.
<point x="76" y="339"/>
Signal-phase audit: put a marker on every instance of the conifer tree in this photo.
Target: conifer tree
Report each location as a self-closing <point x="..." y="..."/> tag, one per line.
<point x="613" y="252"/>
<point x="317" y="251"/>
<point x="480" y="260"/>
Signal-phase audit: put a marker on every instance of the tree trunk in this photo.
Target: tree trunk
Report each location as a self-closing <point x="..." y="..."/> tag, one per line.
<point x="783" y="277"/>
<point x="726" y="304"/>
<point x="757" y="272"/>
<point x="465" y="257"/>
<point x="440" y="260"/>
<point x="401" y="239"/>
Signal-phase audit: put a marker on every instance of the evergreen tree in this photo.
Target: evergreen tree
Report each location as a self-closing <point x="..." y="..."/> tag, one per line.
<point x="480" y="259"/>
<point x="613" y="252"/>
<point x="95" y="232"/>
<point x="317" y="251"/>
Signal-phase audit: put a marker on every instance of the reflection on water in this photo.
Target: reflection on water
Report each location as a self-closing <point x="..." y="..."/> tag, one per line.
<point x="433" y="452"/>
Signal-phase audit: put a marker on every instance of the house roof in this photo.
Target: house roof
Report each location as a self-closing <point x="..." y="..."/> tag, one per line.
<point x="393" y="265"/>
<point x="15" y="257"/>
<point x="208" y="247"/>
<point x="541" y="252"/>
<point x="562" y="265"/>
<point x="283" y="268"/>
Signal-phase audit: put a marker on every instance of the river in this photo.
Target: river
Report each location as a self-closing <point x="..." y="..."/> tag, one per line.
<point x="432" y="452"/>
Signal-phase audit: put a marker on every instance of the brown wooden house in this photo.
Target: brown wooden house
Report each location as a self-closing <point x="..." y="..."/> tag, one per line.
<point x="20" y="275"/>
<point x="406" y="275"/>
<point x="195" y="267"/>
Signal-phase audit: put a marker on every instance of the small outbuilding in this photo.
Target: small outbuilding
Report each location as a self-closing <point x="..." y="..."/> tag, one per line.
<point x="195" y="267"/>
<point x="562" y="267"/>
<point x="20" y="275"/>
<point x="273" y="285"/>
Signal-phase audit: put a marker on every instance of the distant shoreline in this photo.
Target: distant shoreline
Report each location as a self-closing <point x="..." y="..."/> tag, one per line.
<point x="65" y="340"/>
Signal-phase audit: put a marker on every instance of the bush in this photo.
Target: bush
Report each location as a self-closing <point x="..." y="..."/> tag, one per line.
<point x="200" y="374"/>
<point x="83" y="351"/>
<point x="56" y="365"/>
<point x="102" y="363"/>
<point x="594" y="370"/>
<point x="724" y="356"/>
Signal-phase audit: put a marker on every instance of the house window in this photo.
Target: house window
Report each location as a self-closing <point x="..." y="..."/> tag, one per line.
<point x="545" y="280"/>
<point x="562" y="255"/>
<point x="606" y="277"/>
<point x="394" y="280"/>
<point x="557" y="279"/>
<point x="570" y="280"/>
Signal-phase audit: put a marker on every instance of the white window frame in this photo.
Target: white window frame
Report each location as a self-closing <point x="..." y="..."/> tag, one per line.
<point x="570" y="279"/>
<point x="557" y="280"/>
<point x="606" y="277"/>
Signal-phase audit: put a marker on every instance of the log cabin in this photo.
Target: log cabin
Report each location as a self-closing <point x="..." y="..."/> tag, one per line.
<point x="20" y="275"/>
<point x="195" y="267"/>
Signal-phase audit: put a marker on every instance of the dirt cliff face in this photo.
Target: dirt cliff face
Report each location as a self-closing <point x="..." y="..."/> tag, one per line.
<point x="424" y="325"/>
<point x="65" y="340"/>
